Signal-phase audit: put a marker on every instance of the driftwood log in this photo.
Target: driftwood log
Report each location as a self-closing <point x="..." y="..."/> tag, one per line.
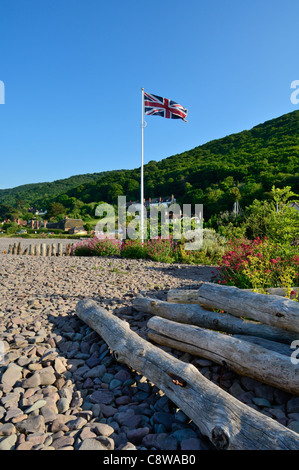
<point x="190" y="296"/>
<point x="227" y="422"/>
<point x="183" y="296"/>
<point x="244" y="357"/>
<point x="270" y="309"/>
<point x="196" y="315"/>
<point x="268" y="344"/>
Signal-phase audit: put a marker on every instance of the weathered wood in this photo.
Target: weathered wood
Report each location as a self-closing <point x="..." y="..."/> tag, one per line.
<point x="270" y="309"/>
<point x="53" y="249"/>
<point x="48" y="253"/>
<point x="68" y="249"/>
<point x="244" y="357"/>
<point x="19" y="248"/>
<point x="59" y="249"/>
<point x="9" y="252"/>
<point x="37" y="250"/>
<point x="194" y="350"/>
<point x="186" y="296"/>
<point x="227" y="422"/>
<point x="196" y="315"/>
<point x="43" y="249"/>
<point x="281" y="291"/>
<point x="30" y="252"/>
<point x="183" y="296"/>
<point x="268" y="344"/>
<point x="25" y="251"/>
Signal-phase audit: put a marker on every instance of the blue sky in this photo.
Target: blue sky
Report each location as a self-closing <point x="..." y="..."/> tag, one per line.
<point x="73" y="72"/>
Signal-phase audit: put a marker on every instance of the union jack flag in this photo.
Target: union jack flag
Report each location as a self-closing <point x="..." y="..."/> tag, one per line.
<point x="158" y="106"/>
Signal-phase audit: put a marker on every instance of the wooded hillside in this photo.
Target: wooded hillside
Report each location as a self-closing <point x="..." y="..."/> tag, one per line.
<point x="242" y="166"/>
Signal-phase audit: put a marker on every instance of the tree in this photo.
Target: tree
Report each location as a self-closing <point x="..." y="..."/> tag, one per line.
<point x="6" y="210"/>
<point x="20" y="204"/>
<point x="88" y="227"/>
<point x="282" y="195"/>
<point x="274" y="219"/>
<point x="55" y="209"/>
<point x="10" y="228"/>
<point x="114" y="191"/>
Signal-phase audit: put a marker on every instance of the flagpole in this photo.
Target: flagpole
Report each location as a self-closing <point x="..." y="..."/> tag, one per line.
<point x="141" y="180"/>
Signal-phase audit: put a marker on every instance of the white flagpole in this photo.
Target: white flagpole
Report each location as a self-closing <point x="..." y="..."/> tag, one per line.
<point x="141" y="181"/>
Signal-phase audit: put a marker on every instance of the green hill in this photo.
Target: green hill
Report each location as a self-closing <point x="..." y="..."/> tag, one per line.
<point x="36" y="193"/>
<point x="244" y="165"/>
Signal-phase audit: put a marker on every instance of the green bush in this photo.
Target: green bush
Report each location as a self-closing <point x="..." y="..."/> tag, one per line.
<point x="132" y="249"/>
<point x="258" y="264"/>
<point x="96" y="247"/>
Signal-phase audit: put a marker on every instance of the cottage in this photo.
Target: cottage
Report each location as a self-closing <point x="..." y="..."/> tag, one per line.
<point x="66" y="224"/>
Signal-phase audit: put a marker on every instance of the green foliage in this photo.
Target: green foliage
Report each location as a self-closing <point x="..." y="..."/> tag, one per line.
<point x="56" y="209"/>
<point x="259" y="264"/>
<point x="274" y="219"/>
<point x="88" y="227"/>
<point x="6" y="210"/>
<point x="240" y="167"/>
<point x="96" y="247"/>
<point x="133" y="249"/>
<point x="10" y="228"/>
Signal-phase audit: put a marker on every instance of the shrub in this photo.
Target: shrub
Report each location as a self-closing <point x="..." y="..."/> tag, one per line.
<point x="157" y="249"/>
<point x="96" y="247"/>
<point x="160" y="249"/>
<point x="211" y="252"/>
<point x="258" y="264"/>
<point x="132" y="249"/>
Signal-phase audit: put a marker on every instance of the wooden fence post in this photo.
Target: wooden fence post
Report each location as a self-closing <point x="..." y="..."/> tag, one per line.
<point x="43" y="249"/>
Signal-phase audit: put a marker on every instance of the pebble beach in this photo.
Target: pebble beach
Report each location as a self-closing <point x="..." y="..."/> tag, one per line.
<point x="61" y="388"/>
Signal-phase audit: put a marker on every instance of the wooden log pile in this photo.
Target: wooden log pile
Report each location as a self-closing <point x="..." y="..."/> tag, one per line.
<point x="250" y="333"/>
<point x="41" y="249"/>
<point x="228" y="423"/>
